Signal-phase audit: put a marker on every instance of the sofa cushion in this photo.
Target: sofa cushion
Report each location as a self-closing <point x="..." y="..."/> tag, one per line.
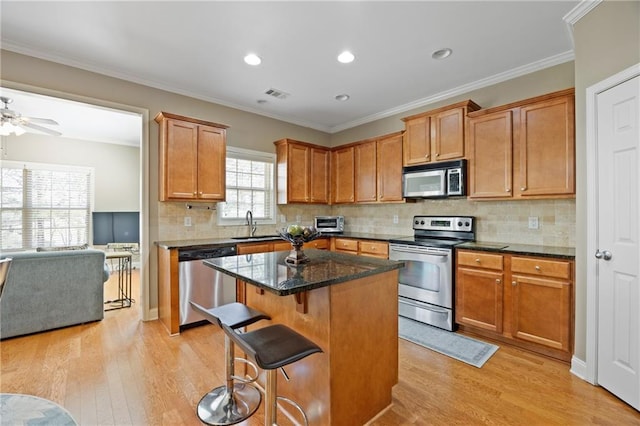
<point x="63" y="248"/>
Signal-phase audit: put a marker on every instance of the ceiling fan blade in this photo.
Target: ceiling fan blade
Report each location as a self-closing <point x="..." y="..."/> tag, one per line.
<point x="40" y="120"/>
<point x="41" y="129"/>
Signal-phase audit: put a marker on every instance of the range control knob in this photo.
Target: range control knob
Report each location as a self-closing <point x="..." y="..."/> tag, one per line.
<point x="459" y="223"/>
<point x="422" y="222"/>
<point x="467" y="224"/>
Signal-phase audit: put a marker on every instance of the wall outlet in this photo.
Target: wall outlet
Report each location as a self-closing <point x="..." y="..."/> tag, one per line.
<point x="187" y="221"/>
<point x="298" y="218"/>
<point x="283" y="218"/>
<point x="533" y="222"/>
<point x="395" y="218"/>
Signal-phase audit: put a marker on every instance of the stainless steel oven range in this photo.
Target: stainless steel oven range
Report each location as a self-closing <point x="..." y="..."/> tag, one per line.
<point x="426" y="283"/>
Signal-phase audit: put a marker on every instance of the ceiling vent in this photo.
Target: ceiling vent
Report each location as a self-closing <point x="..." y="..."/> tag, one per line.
<point x="279" y="94"/>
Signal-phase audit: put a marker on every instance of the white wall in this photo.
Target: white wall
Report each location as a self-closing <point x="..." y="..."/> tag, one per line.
<point x="116" y="167"/>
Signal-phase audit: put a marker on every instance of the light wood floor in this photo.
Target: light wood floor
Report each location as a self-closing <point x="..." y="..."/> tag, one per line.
<point x="123" y="371"/>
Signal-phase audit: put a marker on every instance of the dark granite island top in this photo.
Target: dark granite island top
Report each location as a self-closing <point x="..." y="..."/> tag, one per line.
<point x="270" y="271"/>
<point x="344" y="303"/>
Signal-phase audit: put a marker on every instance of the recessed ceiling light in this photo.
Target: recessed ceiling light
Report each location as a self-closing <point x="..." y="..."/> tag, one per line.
<point x="442" y="53"/>
<point x="346" y="57"/>
<point x="343" y="97"/>
<point x="252" y="59"/>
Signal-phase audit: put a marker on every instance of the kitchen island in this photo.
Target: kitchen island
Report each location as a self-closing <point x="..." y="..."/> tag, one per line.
<point x="347" y="305"/>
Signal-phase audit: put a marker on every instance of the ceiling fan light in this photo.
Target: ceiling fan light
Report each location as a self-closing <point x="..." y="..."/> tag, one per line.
<point x="346" y="57"/>
<point x="7" y="128"/>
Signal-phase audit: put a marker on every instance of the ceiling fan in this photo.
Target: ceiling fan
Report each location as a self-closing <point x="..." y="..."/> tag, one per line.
<point x="11" y="121"/>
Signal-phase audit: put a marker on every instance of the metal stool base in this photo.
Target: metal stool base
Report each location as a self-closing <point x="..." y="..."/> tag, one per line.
<point x="219" y="407"/>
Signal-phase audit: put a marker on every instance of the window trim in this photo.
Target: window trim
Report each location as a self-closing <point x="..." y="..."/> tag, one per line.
<point x="249" y="154"/>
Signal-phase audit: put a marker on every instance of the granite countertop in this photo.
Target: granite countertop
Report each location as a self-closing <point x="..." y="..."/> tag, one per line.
<point x="270" y="272"/>
<point x="231" y="241"/>
<point x="522" y="249"/>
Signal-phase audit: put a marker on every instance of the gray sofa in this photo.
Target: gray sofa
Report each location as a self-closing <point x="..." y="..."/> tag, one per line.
<point x="52" y="289"/>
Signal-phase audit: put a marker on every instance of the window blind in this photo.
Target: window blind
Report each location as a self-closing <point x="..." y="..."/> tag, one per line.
<point x="45" y="205"/>
<point x="249" y="186"/>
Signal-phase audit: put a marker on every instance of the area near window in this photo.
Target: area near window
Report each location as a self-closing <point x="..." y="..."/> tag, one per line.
<point x="249" y="186"/>
<point x="44" y="205"/>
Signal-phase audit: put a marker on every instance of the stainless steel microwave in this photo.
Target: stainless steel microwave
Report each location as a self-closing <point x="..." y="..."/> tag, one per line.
<point x="436" y="180"/>
<point x="329" y="223"/>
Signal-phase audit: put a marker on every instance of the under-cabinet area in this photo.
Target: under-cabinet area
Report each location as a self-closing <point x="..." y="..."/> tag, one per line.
<point x="522" y="300"/>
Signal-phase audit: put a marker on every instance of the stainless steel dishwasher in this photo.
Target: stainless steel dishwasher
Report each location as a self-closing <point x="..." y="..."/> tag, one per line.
<point x="202" y="284"/>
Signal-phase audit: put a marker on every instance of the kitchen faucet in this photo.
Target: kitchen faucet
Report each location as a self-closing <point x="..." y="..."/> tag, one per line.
<point x="251" y="223"/>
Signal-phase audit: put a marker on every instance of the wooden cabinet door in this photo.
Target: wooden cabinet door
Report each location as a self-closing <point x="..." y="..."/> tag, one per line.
<point x="479" y="298"/>
<point x="297" y="173"/>
<point x="250" y="248"/>
<point x="546" y="147"/>
<point x="365" y="172"/>
<point x="343" y="175"/>
<point x="447" y="134"/>
<point x="319" y="176"/>
<point x="417" y="141"/>
<point x="541" y="311"/>
<point x="490" y="156"/>
<point x="181" y="160"/>
<point x="211" y="159"/>
<point x="389" y="164"/>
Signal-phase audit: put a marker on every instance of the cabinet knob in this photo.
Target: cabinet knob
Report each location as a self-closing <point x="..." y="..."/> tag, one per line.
<point x="477" y="260"/>
<point x="195" y="193"/>
<point x="498" y="281"/>
<point x="514" y="283"/>
<point x="508" y="189"/>
<point x="437" y="155"/>
<point x="537" y="268"/>
<point x="523" y="188"/>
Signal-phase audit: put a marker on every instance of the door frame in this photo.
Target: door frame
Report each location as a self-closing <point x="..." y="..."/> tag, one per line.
<point x="146" y="312"/>
<point x="591" y="367"/>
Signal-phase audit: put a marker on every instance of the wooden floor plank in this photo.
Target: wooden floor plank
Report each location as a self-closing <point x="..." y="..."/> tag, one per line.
<point x="122" y="371"/>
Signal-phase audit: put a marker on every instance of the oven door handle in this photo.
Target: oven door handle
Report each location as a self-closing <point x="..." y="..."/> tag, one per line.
<point x="424" y="306"/>
<point x="413" y="251"/>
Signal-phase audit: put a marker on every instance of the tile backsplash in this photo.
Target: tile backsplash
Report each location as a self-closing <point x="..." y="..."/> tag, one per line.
<point x="496" y="221"/>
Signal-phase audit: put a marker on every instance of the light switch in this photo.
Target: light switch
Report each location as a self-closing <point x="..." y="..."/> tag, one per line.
<point x="395" y="218"/>
<point x="187" y="221"/>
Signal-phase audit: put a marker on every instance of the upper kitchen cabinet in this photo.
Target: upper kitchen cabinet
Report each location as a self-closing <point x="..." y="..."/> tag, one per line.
<point x="378" y="169"/>
<point x="192" y="159"/>
<point x="389" y="168"/>
<point x="436" y="135"/>
<point x="302" y="172"/>
<point x="523" y="150"/>
<point x="343" y="174"/>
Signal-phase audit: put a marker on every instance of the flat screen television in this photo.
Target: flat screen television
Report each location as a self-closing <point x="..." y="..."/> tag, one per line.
<point x="116" y="227"/>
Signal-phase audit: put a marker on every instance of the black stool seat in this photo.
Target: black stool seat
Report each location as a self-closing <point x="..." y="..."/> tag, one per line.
<point x="273" y="346"/>
<point x="235" y="315"/>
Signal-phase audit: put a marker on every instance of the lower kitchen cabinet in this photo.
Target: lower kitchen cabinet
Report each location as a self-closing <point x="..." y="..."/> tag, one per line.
<point x="369" y="248"/>
<point x="522" y="300"/>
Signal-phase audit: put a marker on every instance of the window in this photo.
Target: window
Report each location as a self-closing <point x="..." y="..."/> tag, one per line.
<point x="250" y="183"/>
<point x="44" y="205"/>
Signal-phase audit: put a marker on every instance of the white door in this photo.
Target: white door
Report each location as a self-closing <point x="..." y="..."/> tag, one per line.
<point x="617" y="246"/>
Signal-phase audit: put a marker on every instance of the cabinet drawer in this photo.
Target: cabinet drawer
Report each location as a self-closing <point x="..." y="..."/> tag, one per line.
<point x="253" y="248"/>
<point x="547" y="268"/>
<point x="346" y="245"/>
<point x="281" y="246"/>
<point x="480" y="260"/>
<point x="374" y="247"/>
<point x="320" y="244"/>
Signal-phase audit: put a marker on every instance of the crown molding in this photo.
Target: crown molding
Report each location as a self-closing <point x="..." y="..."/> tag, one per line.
<point x="479" y="84"/>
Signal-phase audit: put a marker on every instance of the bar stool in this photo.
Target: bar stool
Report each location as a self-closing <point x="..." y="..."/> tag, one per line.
<point x="232" y="402"/>
<point x="273" y="347"/>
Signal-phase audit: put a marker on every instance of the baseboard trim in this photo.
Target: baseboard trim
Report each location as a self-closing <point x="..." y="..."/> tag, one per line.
<point x="579" y="369"/>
